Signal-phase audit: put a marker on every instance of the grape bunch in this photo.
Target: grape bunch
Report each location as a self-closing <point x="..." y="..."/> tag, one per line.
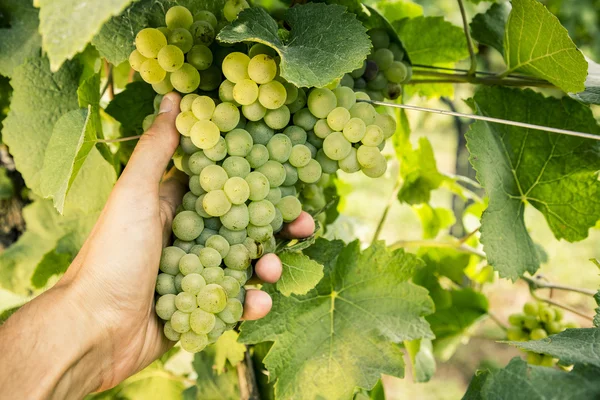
<point x="253" y="146"/>
<point x="383" y="72"/>
<point x="537" y="321"/>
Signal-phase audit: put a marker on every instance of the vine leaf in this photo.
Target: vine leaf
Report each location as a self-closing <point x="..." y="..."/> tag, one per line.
<point x="591" y="94"/>
<point x="342" y="334"/>
<point x="300" y="273"/>
<point x="597" y="316"/>
<point x="572" y="346"/>
<point x="209" y="384"/>
<point x="67" y="26"/>
<point x="520" y="381"/>
<point x="132" y="105"/>
<point x="488" y="27"/>
<point x="22" y="40"/>
<point x="53" y="263"/>
<point x="394" y="10"/>
<point x="227" y="349"/>
<point x="554" y="173"/>
<point x="536" y="43"/>
<point x="314" y="54"/>
<point x="421" y="357"/>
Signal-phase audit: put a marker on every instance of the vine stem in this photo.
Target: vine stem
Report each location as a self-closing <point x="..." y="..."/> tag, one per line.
<point x="391" y="201"/>
<point x="463" y="14"/>
<point x="123" y="139"/>
<point x="537" y="283"/>
<point x="468" y="235"/>
<point x="461" y="247"/>
<point x="490" y="80"/>
<point x="497" y="320"/>
<point x="561" y="305"/>
<point x="514" y="76"/>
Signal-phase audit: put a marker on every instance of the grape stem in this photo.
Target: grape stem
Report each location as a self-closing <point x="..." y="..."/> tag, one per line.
<point x="391" y="201"/>
<point x="537" y="283"/>
<point x="445" y="77"/>
<point x="561" y="305"/>
<point x="247" y="378"/>
<point x="485" y="73"/>
<point x="123" y="139"/>
<point x="468" y="235"/>
<point x="463" y="14"/>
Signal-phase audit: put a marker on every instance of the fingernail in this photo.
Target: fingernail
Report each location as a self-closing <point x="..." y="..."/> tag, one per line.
<point x="166" y="105"/>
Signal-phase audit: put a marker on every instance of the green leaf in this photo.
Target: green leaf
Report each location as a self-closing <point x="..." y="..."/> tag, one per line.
<point x="67" y="26"/>
<point x="557" y="174"/>
<point x="488" y="27"/>
<point x="536" y="43"/>
<point x="22" y="40"/>
<point x="520" y="381"/>
<point x="394" y="10"/>
<point x="210" y="385"/>
<point x="446" y="262"/>
<point x="300" y="273"/>
<point x="597" y="316"/>
<point x="591" y="94"/>
<point x="132" y="105"/>
<point x="39" y="99"/>
<point x="572" y="346"/>
<point x="432" y="40"/>
<point x="420" y="352"/>
<point x="227" y="348"/>
<point x="72" y="140"/>
<point x="341" y="334"/>
<point x="434" y="219"/>
<point x="7" y="189"/>
<point x="315" y="54"/>
<point x="53" y="263"/>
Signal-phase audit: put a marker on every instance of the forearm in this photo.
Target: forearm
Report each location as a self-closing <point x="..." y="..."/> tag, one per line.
<point x="48" y="350"/>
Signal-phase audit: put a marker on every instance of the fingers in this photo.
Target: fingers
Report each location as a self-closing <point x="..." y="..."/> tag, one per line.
<point x="156" y="146"/>
<point x="269" y="268"/>
<point x="302" y="227"/>
<point x="257" y="305"/>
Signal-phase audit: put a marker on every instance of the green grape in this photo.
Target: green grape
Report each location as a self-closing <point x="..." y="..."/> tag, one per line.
<point x="531" y="308"/>
<point x="194" y="185"/>
<point x="378" y="169"/>
<point x="177" y="281"/>
<point x="272" y="95"/>
<point x="279" y="147"/>
<point x="210" y="78"/>
<point x="164" y="86"/>
<point x="165" y="306"/>
<point x="193" y="283"/>
<point x="164" y="30"/>
<point x="186" y="79"/>
<point x="305" y="119"/>
<point x="546" y="314"/>
<point x="291" y="175"/>
<point x="336" y="146"/>
<point x="355" y="130"/>
<point x="368" y="156"/>
<point x="288" y="190"/>
<point x="233" y="311"/>
<point x="516" y="334"/>
<point x="180" y="321"/>
<point x="364" y="111"/>
<point x="205" y="134"/>
<point x="547" y="361"/>
<point x="274" y="195"/>
<point x="254" y="111"/>
<point x="373" y="136"/>
<point x="226" y="116"/>
<point x="361" y="95"/>
<point x="182" y="244"/>
<point x="261" y="212"/>
<point x="212" y="223"/>
<point x="258" y="156"/>
<point x="203" y="107"/>
<point x="213" y="177"/>
<point x="516" y="319"/>
<point x="206" y="16"/>
<point x="180" y="160"/>
<point x="236" y="166"/>
<point x="235" y="67"/>
<point x="237" y="190"/>
<point x="258" y="184"/>
<point x="338" y="118"/>
<point x="217" y="331"/>
<point x="239" y="142"/>
<point x="347" y="82"/>
<point x="383" y="58"/>
<point x="231" y="286"/>
<point x="184" y="122"/>
<point x="291" y="92"/>
<point x="196" y="248"/>
<point x="357" y="73"/>
<point x="226" y="91"/>
<point x="274" y="172"/>
<point x="136" y="59"/>
<point x="213" y="274"/>
<point x="148" y="121"/>
<point x="277" y="222"/>
<point x="187" y="225"/>
<point x="253" y="248"/>
<point x="170" y="332"/>
<point x="345" y="97"/>
<point x="290" y="208"/>
<point x="397" y="72"/>
<point x="185" y="142"/>
<point x="321" y="101"/>
<point x="178" y="17"/>
<point x="396" y="50"/>
<point x="571" y="325"/>
<point x="232" y="8"/>
<point x="350" y="163"/>
<point x="209" y="257"/>
<point x="553" y="327"/>
<point x="233" y="237"/>
<point x="311" y="172"/>
<point x="558" y="314"/>
<point x="170" y="58"/>
<point x="538" y="334"/>
<point x="218" y="243"/>
<point x="218" y="151"/>
<point x="259" y="48"/>
<point x="216" y="203"/>
<point x="328" y="165"/>
<point x="296" y="134"/>
<point x="379" y="83"/>
<point x="238" y="257"/>
<point x="206" y="233"/>
<point x="193" y="342"/>
<point x="165" y="284"/>
<point x="201" y="321"/>
<point x="245" y="92"/>
<point x="187" y="101"/>
<point x="190" y="264"/>
<point x="185" y="302"/>
<point x="322" y="129"/>
<point x="169" y="259"/>
<point x="387" y="123"/>
<point x="212" y="298"/>
<point x="149" y="41"/>
<point x="236" y="218"/>
<point x="151" y="71"/>
<point x="299" y="156"/>
<point x="299" y="103"/>
<point x="379" y="38"/>
<point x="181" y="38"/>
<point x="197" y="162"/>
<point x="202" y="33"/>
<point x="277" y="119"/>
<point x="262" y="68"/>
<point x="200" y="57"/>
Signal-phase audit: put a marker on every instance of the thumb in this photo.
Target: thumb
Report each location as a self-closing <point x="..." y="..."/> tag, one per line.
<point x="156" y="146"/>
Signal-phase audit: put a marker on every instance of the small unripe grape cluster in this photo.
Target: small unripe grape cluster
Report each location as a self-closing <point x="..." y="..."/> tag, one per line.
<point x="253" y="146"/>
<point x="382" y="74"/>
<point x="537" y="321"/>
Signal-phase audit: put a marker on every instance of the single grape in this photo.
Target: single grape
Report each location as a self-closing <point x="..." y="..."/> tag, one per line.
<point x="345" y="97"/>
<point x="387" y="123"/>
<point x="257" y="156"/>
<point x="206" y="233"/>
<point x="136" y="59"/>
<point x="231" y="286"/>
<point x="328" y="165"/>
<point x="245" y="92"/>
<point x="233" y="311"/>
<point x="237" y="190"/>
<point x="236" y="218"/>
<point x="397" y="51"/>
<point x="300" y="156"/>
<point x="170" y="58"/>
<point x="194" y="185"/>
<point x="384" y="58"/>
<point x="182" y="244"/>
<point x="531" y="308"/>
<point x="217" y="331"/>
<point x="299" y="103"/>
<point x="373" y="136"/>
<point x="261" y="133"/>
<point x="272" y="95"/>
<point x="200" y="206"/>
<point x="178" y="17"/>
<point x="164" y="86"/>
<point x="364" y="111"/>
<point x="261" y="212"/>
<point x="152" y="72"/>
<point x="241" y="276"/>
<point x="310" y="173"/>
<point x="185" y="142"/>
<point x="218" y="243"/>
<point x="213" y="274"/>
<point x="190" y="264"/>
<point x="239" y="142"/>
<point x="288" y="191"/>
<point x="200" y="57"/>
<point x="149" y="41"/>
<point x="192" y="283"/>
<point x="187" y="225"/>
<point x="296" y="134"/>
<point x="321" y="101"/>
<point x="212" y="223"/>
<point x="350" y="163"/>
<point x="236" y="166"/>
<point x="254" y="111"/>
<point x="165" y="284"/>
<point x="165" y="306"/>
<point x="233" y="237"/>
<point x="291" y="175"/>
<point x="516" y="334"/>
<point x="212" y="298"/>
<point x="274" y="195"/>
<point x="210" y="78"/>
<point x="322" y="129"/>
<point x="206" y="16"/>
<point x="259" y="48"/>
<point x="203" y="107"/>
<point x="198" y="161"/>
<point x="397" y="72"/>
<point x="235" y="67"/>
<point x="187" y="101"/>
<point x="205" y="134"/>
<point x="201" y="321"/>
<point x="378" y="169"/>
<point x="546" y="314"/>
<point x="232" y="8"/>
<point x="558" y="314"/>
<point x="193" y="342"/>
<point x="347" y="82"/>
<point x="258" y="184"/>
<point x="291" y="92"/>
<point x="226" y="91"/>
<point x="184" y="122"/>
<point x="274" y="172"/>
<point x="538" y="334"/>
<point x="553" y="327"/>
<point x="262" y="68"/>
<point x="226" y="116"/>
<point x="305" y="119"/>
<point x="279" y="147"/>
<point x="336" y="146"/>
<point x="370" y="73"/>
<point x="379" y="38"/>
<point x="238" y="257"/>
<point x="170" y="332"/>
<point x="338" y="118"/>
<point x="180" y="321"/>
<point x="181" y="38"/>
<point x="202" y="33"/>
<point x="185" y="302"/>
<point x="216" y="203"/>
<point x="290" y="208"/>
<point x="186" y="79"/>
<point x="359" y="84"/>
<point x="209" y="257"/>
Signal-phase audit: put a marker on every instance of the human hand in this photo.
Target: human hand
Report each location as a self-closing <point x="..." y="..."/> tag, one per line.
<point x="113" y="277"/>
